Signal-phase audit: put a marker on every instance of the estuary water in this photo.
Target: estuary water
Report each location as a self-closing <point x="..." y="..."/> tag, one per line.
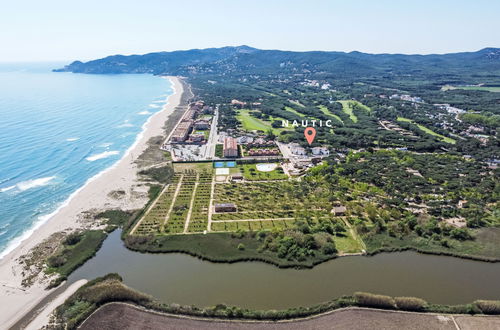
<point x="180" y="278"/>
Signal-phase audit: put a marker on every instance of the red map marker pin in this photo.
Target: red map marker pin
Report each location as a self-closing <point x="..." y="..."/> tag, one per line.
<point x="310" y="133"/>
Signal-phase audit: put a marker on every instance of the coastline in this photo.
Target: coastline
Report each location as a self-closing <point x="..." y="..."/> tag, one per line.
<point x="93" y="195"/>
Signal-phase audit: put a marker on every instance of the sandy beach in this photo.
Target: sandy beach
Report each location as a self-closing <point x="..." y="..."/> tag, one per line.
<point x="16" y="300"/>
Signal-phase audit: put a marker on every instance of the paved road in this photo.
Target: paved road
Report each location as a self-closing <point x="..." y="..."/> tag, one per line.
<point x="209" y="148"/>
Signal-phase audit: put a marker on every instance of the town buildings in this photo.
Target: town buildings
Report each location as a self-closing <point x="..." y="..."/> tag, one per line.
<point x="230" y="148"/>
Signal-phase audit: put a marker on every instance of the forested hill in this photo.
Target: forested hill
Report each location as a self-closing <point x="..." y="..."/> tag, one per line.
<point x="248" y="60"/>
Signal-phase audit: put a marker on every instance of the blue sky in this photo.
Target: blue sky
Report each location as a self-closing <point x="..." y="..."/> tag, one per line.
<point x="53" y="30"/>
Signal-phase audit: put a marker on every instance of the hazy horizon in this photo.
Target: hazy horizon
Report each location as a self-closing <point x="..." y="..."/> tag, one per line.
<point x="55" y="31"/>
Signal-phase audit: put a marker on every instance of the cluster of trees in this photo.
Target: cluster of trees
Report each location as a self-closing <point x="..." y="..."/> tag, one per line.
<point x="307" y="239"/>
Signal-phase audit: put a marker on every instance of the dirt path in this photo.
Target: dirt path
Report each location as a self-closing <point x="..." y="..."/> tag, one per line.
<point x="354" y="234"/>
<point x="188" y="217"/>
<point x="177" y="189"/>
<point x="121" y="316"/>
<point x="44" y="316"/>
<point x="210" y="205"/>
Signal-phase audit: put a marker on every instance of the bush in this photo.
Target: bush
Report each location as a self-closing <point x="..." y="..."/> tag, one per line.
<point x="374" y="300"/>
<point x="241" y="246"/>
<point x="488" y="306"/>
<point x="461" y="234"/>
<point x="329" y="248"/>
<point x="56" y="261"/>
<point x="73" y="239"/>
<point x="410" y="303"/>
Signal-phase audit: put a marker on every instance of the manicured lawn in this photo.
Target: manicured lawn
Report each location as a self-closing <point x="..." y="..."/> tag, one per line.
<point x="251" y="123"/>
<point x="327" y="112"/>
<point x="428" y="131"/>
<point x="250" y="172"/>
<point x="206" y="133"/>
<point x="295" y="112"/>
<point x="348" y="108"/>
<point x="472" y="88"/>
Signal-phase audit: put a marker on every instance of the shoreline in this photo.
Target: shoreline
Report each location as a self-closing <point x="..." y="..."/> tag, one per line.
<point x="18" y="241"/>
<point x="70" y="215"/>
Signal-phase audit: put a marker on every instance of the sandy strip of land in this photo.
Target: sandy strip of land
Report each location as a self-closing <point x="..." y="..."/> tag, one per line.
<point x="122" y="316"/>
<point x="16" y="300"/>
<point x="44" y="317"/>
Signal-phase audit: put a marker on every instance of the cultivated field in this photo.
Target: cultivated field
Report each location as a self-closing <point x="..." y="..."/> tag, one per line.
<point x="186" y="205"/>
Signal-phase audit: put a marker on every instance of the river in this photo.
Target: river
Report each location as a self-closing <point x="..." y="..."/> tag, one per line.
<point x="182" y="279"/>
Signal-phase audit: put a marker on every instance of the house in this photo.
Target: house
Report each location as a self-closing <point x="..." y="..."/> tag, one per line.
<point x="339" y="210"/>
<point x="230" y="147"/>
<point x="189" y="115"/>
<point x="320" y="151"/>
<point x="225" y="207"/>
<point x="238" y="104"/>
<point x="296" y="149"/>
<point x="236" y="177"/>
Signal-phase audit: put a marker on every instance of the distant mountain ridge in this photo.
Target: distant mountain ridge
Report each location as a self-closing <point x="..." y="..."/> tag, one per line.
<point x="248" y="60"/>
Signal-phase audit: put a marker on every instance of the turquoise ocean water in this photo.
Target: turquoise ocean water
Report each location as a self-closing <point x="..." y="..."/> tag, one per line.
<point x="58" y="130"/>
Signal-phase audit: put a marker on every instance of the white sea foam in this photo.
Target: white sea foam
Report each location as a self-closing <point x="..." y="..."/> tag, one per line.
<point x="144" y="113"/>
<point x="7" y="188"/>
<point x="105" y="145"/>
<point x="43" y="219"/>
<point x="72" y="139"/>
<point x="29" y="184"/>
<point x="102" y="155"/>
<point x="125" y="124"/>
<point x="152" y="105"/>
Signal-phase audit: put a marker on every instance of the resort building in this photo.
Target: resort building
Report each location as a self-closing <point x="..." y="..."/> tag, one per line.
<point x="197" y="137"/>
<point x="181" y="131"/>
<point x="201" y="124"/>
<point x="230" y="147"/>
<point x="263" y="152"/>
<point x="189" y="115"/>
<point x="225" y="207"/>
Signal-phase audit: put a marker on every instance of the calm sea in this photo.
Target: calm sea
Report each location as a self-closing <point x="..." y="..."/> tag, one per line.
<point x="58" y="130"/>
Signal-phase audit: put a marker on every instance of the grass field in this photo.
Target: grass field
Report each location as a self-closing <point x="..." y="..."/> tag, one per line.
<point x="348" y="108"/>
<point x="251" y="123"/>
<point x="472" y="88"/>
<point x="295" y="112"/>
<point x="428" y="131"/>
<point x="327" y="112"/>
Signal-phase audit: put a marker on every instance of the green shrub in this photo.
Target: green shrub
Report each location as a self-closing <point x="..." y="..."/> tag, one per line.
<point x="56" y="261"/>
<point x="410" y="303"/>
<point x="374" y="300"/>
<point x="73" y="238"/>
<point x="241" y="246"/>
